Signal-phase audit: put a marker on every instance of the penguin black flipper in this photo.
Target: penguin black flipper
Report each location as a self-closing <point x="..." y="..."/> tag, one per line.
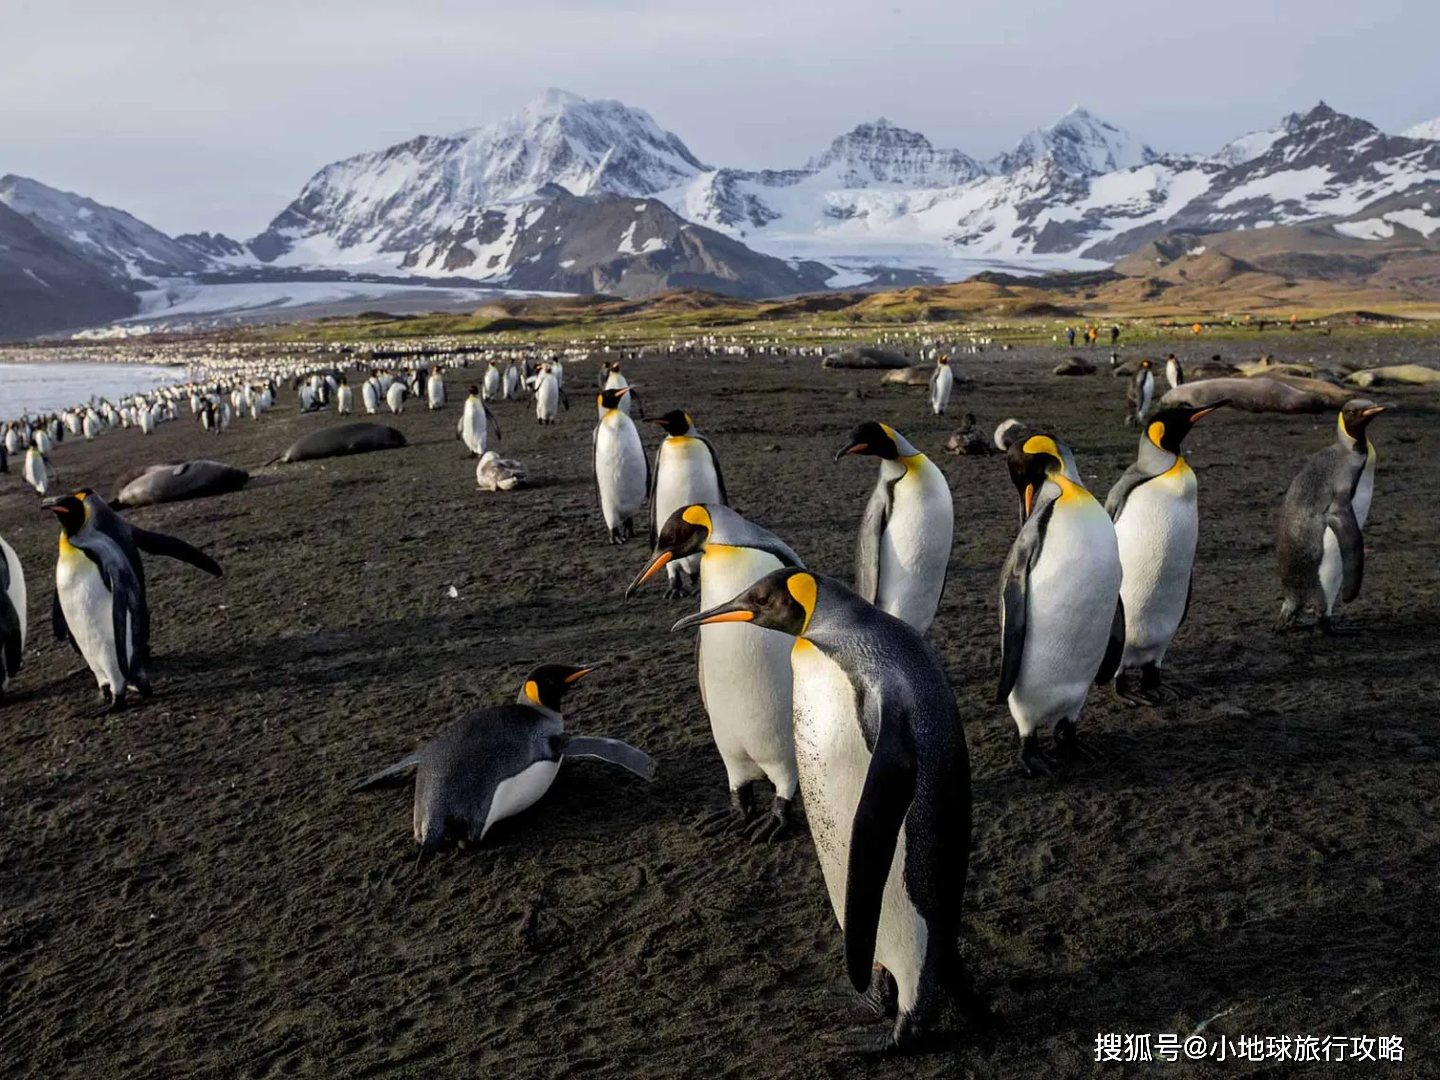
<point x="153" y="543"/>
<point x="715" y="461"/>
<point x="612" y="750"/>
<point x="867" y="551"/>
<point x="490" y="416"/>
<point x="58" y="623"/>
<point x="1015" y="593"/>
<point x="1131" y="479"/>
<point x="1341" y="521"/>
<point x="1115" y="649"/>
<point x="884" y="802"/>
<point x="9" y="630"/>
<point x="390" y="776"/>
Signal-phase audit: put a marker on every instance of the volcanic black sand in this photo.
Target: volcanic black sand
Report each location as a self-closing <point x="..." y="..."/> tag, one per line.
<point x="189" y="891"/>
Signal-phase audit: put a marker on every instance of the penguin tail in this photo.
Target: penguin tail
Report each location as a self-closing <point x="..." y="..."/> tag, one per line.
<point x="390" y="776"/>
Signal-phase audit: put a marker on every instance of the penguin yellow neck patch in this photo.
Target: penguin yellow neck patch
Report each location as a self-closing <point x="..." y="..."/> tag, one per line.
<point x="802" y="588"/>
<point x="532" y="691"/>
<point x="1156" y="431"/>
<point x="696" y="515"/>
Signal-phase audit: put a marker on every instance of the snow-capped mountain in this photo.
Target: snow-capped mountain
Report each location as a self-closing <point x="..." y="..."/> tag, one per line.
<point x="1430" y="130"/>
<point x="45" y="286"/>
<point x="109" y="239"/>
<point x="374" y="209"/>
<point x="1078" y="144"/>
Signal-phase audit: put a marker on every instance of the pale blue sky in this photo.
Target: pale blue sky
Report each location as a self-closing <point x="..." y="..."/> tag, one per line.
<point x="210" y="115"/>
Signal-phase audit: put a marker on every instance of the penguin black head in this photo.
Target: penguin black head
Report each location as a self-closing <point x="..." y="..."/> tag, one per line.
<point x="1355" y="417"/>
<point x="1168" y="427"/>
<point x="782" y="600"/>
<point x="1146" y="364"/>
<point x="676" y="422"/>
<point x="944" y="359"/>
<point x="546" y="685"/>
<point x="70" y="509"/>
<point x="872" y="439"/>
<point x="610" y="399"/>
<point x="1032" y="461"/>
<point x="684" y="534"/>
<point x="472" y="390"/>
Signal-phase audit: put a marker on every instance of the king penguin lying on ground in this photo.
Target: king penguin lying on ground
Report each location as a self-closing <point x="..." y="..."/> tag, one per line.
<point x="493" y="765"/>
<point x="886" y="780"/>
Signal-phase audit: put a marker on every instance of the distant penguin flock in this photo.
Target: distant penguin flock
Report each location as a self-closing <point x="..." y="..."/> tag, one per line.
<point x="818" y="694"/>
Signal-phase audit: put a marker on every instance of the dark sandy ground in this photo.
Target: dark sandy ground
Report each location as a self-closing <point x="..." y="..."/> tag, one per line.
<point x="189" y="891"/>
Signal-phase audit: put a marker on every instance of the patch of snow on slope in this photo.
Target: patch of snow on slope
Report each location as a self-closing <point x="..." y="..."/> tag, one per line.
<point x="1369" y="229"/>
<point x="1430" y="130"/>
<point x="1418" y="220"/>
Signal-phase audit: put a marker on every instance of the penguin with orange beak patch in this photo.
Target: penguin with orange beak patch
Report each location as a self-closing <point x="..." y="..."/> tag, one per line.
<point x="743" y="671"/>
<point x="499" y="762"/>
<point x="1157" y="525"/>
<point x="885" y="775"/>
<point x="1321" y="545"/>
<point x="1062" y="625"/>
<point x="686" y="471"/>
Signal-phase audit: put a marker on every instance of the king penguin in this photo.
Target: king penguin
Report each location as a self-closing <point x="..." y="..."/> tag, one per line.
<point x="484" y="768"/>
<point x="686" y="471"/>
<point x="370" y="394"/>
<point x="613" y="380"/>
<point x="548" y="396"/>
<point x="1174" y="372"/>
<point x="475" y="421"/>
<point x="344" y="398"/>
<point x="942" y="380"/>
<point x="743" y="671"/>
<point x="885" y="775"/>
<point x="904" y="550"/>
<point x="1062" y="624"/>
<point x="490" y="385"/>
<point x="435" y="389"/>
<point x="1320" y="544"/>
<point x="102" y="599"/>
<point x="36" y="474"/>
<point x="1140" y="394"/>
<point x="1157" y="524"/>
<point x="622" y="471"/>
<point x="14" y="618"/>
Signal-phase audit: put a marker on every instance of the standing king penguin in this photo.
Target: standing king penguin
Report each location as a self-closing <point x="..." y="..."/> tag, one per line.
<point x="14" y="619"/>
<point x="622" y="471"/>
<point x="475" y="421"/>
<point x="904" y="550"/>
<point x="687" y="471"/>
<point x="1062" y="624"/>
<point x="942" y="381"/>
<point x="548" y="396"/>
<point x="743" y="671"/>
<point x="1157" y="524"/>
<point x="344" y="398"/>
<point x="613" y="380"/>
<point x="1320" y="543"/>
<point x="499" y="762"/>
<point x="102" y="599"/>
<point x="885" y="775"/>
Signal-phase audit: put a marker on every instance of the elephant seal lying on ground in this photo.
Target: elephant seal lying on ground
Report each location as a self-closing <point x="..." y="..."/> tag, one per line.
<point x="181" y="480"/>
<point x="359" y="438"/>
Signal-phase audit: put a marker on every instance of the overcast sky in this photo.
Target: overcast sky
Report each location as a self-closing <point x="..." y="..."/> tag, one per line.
<point x="211" y="115"/>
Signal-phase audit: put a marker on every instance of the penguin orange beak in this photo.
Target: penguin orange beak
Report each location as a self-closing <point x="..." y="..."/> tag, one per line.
<point x="622" y="391"/>
<point x="1374" y="410"/>
<point x="723" y="614"/>
<point x="650" y="571"/>
<point x="1029" y="498"/>
<point x="1206" y="412"/>
<point x="576" y="676"/>
<point x="853" y="448"/>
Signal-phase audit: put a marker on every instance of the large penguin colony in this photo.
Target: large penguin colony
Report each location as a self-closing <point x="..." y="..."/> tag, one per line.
<point x="828" y="707"/>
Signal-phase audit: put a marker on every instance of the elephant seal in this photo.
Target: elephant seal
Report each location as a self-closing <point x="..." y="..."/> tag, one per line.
<point x="1256" y="394"/>
<point x="868" y="356"/>
<point x="178" y="481"/>
<point x="359" y="438"/>
<point x="1074" y="366"/>
<point x="918" y="375"/>
<point x="1405" y="374"/>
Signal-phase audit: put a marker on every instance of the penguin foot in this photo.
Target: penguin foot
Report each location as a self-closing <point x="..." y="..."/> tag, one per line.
<point x="676" y="591"/>
<point x="117" y="702"/>
<point x="1069" y="746"/>
<point x="1130" y="689"/>
<point x="1035" y="761"/>
<point x="881" y="999"/>
<point x="617" y="536"/>
<point x="735" y="816"/>
<point x="1326" y="626"/>
<point x="772" y="826"/>
<point x="907" y="1037"/>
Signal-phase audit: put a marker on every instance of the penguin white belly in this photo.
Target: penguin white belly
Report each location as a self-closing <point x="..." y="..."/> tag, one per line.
<point x="395" y="397"/>
<point x="619" y="470"/>
<point x="491" y="386"/>
<point x="1332" y="569"/>
<point x="1156" y="535"/>
<point x="1070" y="607"/>
<point x="745" y="676"/>
<point x="520" y="792"/>
<point x="915" y="546"/>
<point x="435" y="392"/>
<point x="87" y="605"/>
<point x="344" y="400"/>
<point x="547" y="399"/>
<point x="16" y="591"/>
<point x="473" y="429"/>
<point x="1147" y="393"/>
<point x="1364" y="490"/>
<point x="833" y="761"/>
<point x="940" y="394"/>
<point x="686" y="476"/>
